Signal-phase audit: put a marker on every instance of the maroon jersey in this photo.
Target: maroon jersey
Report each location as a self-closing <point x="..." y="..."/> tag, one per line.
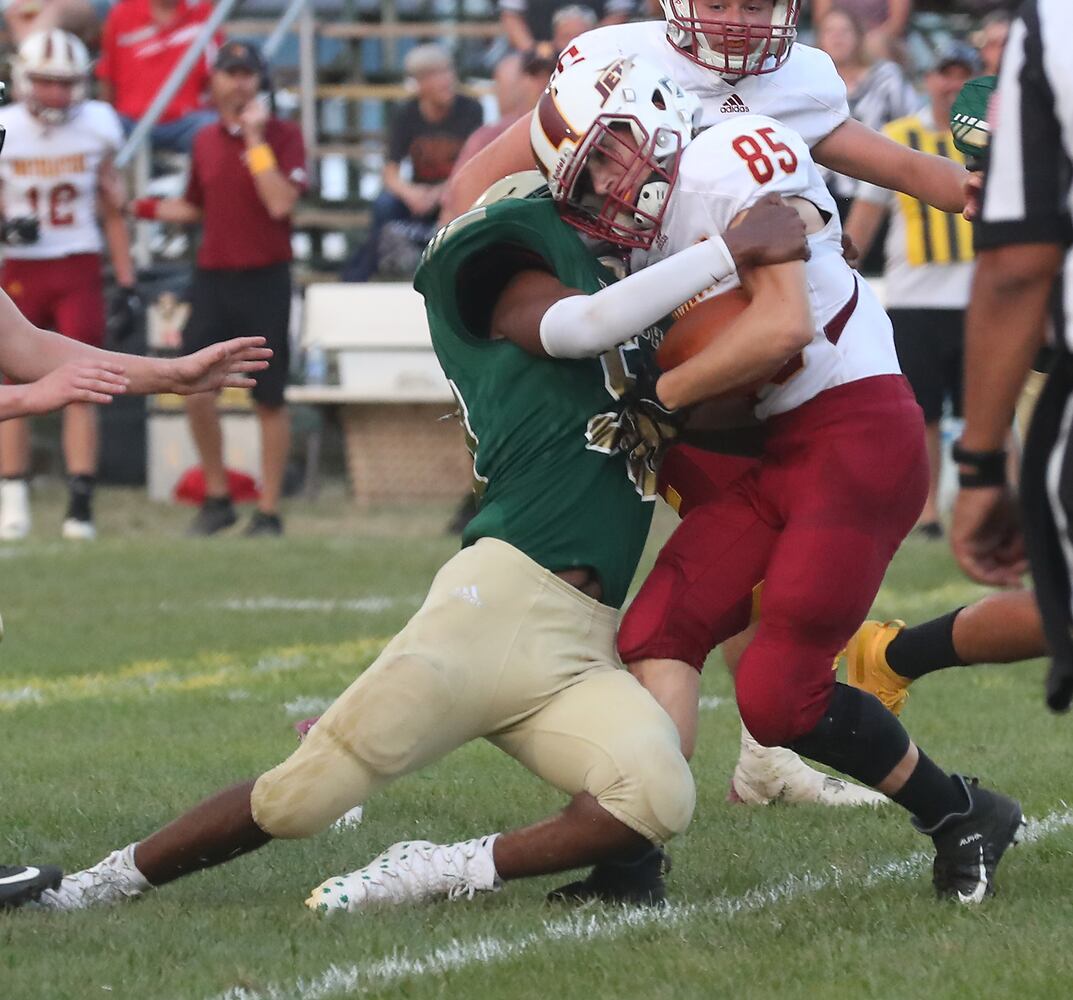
<point x="237" y="231"/>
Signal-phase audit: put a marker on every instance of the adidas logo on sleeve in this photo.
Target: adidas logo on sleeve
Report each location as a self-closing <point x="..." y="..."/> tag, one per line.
<point x="734" y="105"/>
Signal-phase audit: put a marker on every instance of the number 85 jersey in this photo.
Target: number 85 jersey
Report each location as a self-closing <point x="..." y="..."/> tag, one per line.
<point x="51" y="172"/>
<point x="724" y="171"/>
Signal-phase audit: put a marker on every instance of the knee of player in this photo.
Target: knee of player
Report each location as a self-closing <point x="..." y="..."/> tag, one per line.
<point x="653" y="794"/>
<point x="286" y="808"/>
<point x="767" y="710"/>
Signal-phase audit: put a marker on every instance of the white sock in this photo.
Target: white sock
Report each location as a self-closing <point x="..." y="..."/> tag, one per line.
<point x="123" y="863"/>
<point x="482" y="865"/>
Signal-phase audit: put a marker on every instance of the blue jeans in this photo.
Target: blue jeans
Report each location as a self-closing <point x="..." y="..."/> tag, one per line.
<point x="176" y="136"/>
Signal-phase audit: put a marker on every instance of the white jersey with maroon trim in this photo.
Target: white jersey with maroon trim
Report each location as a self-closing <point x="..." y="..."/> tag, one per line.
<point x="725" y="171"/>
<point x="806" y="93"/>
<point x="51" y="172"/>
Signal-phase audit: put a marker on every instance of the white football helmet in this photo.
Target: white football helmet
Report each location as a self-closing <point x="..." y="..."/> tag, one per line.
<point x="51" y="55"/>
<point x="631" y="116"/>
<point x="732" y="48"/>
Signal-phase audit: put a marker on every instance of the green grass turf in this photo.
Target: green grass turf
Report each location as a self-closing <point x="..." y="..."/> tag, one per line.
<point x="130" y="687"/>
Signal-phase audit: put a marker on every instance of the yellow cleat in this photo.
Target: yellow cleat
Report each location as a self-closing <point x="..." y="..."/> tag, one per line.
<point x="866" y="661"/>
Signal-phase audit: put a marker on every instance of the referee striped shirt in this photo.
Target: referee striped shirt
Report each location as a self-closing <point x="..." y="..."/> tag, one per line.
<point x="1028" y="195"/>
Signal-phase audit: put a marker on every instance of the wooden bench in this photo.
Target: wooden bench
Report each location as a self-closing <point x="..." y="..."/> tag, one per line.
<point x="391" y="395"/>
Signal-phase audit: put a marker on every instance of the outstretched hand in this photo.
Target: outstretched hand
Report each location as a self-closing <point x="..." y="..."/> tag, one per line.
<point x="771" y="232"/>
<point x="75" y="382"/>
<point x="228" y="364"/>
<point x="985" y="535"/>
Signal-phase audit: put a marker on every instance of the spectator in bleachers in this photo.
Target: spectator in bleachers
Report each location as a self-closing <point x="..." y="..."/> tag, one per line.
<point x="246" y="174"/>
<point x="141" y="43"/>
<point x="990" y="40"/>
<point x="532" y="78"/>
<point x="878" y="89"/>
<point x="569" y="22"/>
<point x="23" y="18"/>
<point x="429" y="131"/>
<point x="885" y="22"/>
<point x="526" y="23"/>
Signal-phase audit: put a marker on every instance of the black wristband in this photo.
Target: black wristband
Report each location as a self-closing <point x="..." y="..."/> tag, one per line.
<point x="986" y="468"/>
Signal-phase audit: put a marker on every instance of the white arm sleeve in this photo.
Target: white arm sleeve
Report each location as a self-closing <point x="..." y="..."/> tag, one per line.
<point x="584" y="326"/>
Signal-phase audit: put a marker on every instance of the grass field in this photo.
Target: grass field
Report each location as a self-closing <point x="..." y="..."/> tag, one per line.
<point x="144" y="671"/>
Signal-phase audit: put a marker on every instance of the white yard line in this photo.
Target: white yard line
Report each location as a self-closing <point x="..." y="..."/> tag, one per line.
<point x="710" y="702"/>
<point x="589" y="925"/>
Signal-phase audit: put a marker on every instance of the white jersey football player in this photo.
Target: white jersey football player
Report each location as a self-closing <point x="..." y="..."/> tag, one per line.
<point x="739" y="57"/>
<point x="62" y="203"/>
<point x="814" y="518"/>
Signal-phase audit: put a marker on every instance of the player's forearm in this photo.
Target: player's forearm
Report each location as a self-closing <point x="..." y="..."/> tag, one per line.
<point x="858" y="151"/>
<point x="118" y="240"/>
<point x="13" y="402"/>
<point x="776" y="325"/>
<point x="1004" y="329"/>
<point x="587" y="325"/>
<point x="507" y="154"/>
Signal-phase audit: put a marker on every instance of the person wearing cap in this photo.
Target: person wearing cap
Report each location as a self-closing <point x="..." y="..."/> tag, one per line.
<point x="246" y="174"/>
<point x="428" y="131"/>
<point x="141" y="43"/>
<point x="929" y="263"/>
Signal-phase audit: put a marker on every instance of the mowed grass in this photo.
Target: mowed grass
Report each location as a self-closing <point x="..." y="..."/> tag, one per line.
<point x="145" y="671"/>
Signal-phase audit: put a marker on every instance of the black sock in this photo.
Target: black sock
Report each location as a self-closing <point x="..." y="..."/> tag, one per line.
<point x="220" y="501"/>
<point x="930" y="794"/>
<point x="80" y="497"/>
<point x="922" y="649"/>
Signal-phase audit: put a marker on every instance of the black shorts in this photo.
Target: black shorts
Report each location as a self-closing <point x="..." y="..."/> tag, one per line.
<point x="930" y="344"/>
<point x="1047" y="501"/>
<point x="251" y="303"/>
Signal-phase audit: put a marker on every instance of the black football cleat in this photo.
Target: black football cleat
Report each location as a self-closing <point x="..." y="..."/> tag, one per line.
<point x="638" y="883"/>
<point x="23" y="883"/>
<point x="216" y="513"/>
<point x="970" y="844"/>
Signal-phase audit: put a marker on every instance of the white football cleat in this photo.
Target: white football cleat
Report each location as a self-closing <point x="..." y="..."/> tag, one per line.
<point x="775" y="774"/>
<point x="79" y="531"/>
<point x="414" y="871"/>
<point x="109" y="881"/>
<point x="14" y="509"/>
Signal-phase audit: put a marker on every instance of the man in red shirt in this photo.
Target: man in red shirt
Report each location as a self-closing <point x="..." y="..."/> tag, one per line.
<point x="141" y="43"/>
<point x="247" y="172"/>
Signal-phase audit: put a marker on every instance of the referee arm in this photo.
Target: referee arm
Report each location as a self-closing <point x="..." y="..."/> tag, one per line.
<point x="1021" y="239"/>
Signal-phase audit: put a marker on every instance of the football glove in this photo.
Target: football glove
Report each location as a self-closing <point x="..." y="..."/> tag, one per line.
<point x="20" y="232"/>
<point x="125" y="312"/>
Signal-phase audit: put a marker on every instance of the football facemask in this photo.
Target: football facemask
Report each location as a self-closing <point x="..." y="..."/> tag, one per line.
<point x="732" y="48"/>
<point x="609" y="140"/>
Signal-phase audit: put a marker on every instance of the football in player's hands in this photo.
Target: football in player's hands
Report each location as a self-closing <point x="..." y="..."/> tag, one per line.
<point x="699" y="326"/>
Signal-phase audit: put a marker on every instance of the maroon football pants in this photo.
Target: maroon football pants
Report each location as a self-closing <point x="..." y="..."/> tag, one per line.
<point x="841" y="482"/>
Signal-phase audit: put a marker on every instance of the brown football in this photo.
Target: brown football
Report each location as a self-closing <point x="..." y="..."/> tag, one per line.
<point x="699" y="326"/>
